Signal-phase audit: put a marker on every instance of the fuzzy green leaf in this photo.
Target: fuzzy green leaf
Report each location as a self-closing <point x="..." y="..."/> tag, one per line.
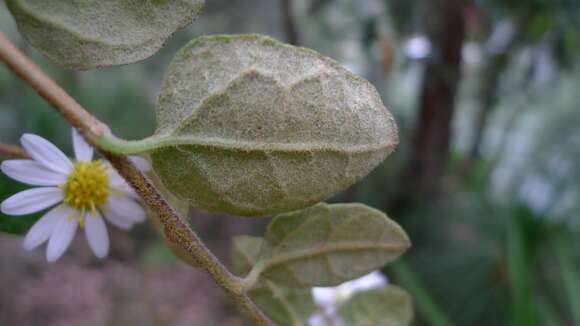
<point x="245" y="253"/>
<point x="250" y="126"/>
<point x="388" y="306"/>
<point x="326" y="245"/>
<point x="96" y="33"/>
<point x="283" y="305"/>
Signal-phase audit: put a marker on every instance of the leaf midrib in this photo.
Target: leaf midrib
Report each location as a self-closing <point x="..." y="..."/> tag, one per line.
<point x="328" y="249"/>
<point x="254" y="146"/>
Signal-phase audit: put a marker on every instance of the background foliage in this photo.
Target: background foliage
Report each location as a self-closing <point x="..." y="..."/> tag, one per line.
<point x="485" y="180"/>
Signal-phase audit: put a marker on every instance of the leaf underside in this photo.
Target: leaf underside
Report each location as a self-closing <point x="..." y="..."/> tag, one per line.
<point x="283" y="305"/>
<point x="97" y="33"/>
<point x="253" y="127"/>
<point x="388" y="306"/>
<point x="326" y="245"/>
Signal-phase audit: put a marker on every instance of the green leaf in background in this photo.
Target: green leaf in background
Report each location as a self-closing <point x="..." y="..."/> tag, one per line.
<point x="15" y="224"/>
<point x="250" y="126"/>
<point x="564" y="248"/>
<point x="387" y="306"/>
<point x="326" y="245"/>
<point x="519" y="269"/>
<point x="283" y="305"/>
<point x="429" y="310"/>
<point x="97" y="33"/>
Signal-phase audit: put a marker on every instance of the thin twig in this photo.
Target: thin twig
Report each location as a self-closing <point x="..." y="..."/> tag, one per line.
<point x="63" y="103"/>
<point x="91" y="128"/>
<point x="11" y="151"/>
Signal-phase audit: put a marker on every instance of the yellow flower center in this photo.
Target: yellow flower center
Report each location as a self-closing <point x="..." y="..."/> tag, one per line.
<point x="86" y="187"/>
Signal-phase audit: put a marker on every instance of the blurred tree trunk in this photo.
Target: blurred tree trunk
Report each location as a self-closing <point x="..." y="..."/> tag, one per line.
<point x="290" y="27"/>
<point x="430" y="149"/>
<point x="499" y="55"/>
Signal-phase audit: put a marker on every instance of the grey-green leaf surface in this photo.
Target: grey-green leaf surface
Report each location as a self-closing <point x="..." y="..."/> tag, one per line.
<point x="252" y="127"/>
<point x="96" y="33"/>
<point x="326" y="245"/>
<point x="284" y="306"/>
<point x="387" y="306"/>
<point x="245" y="253"/>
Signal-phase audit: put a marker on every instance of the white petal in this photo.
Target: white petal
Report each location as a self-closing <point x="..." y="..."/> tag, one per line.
<point x="45" y="153"/>
<point x="114" y="178"/>
<point x="62" y="235"/>
<point x="125" y="208"/>
<point x="324" y="296"/>
<point x="124" y="190"/>
<point x="117" y="183"/>
<point x="83" y="151"/>
<point x="97" y="234"/>
<point x="370" y="281"/>
<point x="32" y="173"/>
<point x="140" y="162"/>
<point x="119" y="222"/>
<point x="32" y="200"/>
<point x="42" y="229"/>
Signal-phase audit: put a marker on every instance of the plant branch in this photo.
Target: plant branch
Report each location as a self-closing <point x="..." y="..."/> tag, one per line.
<point x="63" y="103"/>
<point x="12" y="151"/>
<point x="91" y="128"/>
<point x="179" y="233"/>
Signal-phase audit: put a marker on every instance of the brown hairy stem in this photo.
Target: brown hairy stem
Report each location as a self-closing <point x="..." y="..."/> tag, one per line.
<point x="91" y="128"/>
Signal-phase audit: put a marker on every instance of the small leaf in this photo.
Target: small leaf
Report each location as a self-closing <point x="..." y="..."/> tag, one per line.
<point x="96" y="33"/>
<point x="245" y="253"/>
<point x="387" y="306"/>
<point x="326" y="245"/>
<point x="250" y="126"/>
<point x="283" y="305"/>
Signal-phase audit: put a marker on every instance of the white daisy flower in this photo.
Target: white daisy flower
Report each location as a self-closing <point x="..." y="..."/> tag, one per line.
<point x="80" y="193"/>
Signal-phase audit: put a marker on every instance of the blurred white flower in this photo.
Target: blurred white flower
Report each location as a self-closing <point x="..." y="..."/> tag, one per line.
<point x="85" y="190"/>
<point x="471" y="53"/>
<point x="330" y="298"/>
<point x="417" y="47"/>
<point x="501" y="37"/>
